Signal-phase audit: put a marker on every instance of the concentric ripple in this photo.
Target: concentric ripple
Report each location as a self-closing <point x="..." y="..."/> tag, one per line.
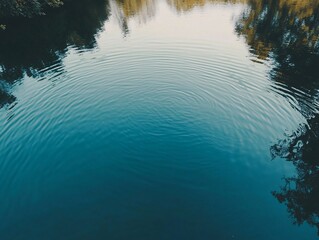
<point x="159" y="133"/>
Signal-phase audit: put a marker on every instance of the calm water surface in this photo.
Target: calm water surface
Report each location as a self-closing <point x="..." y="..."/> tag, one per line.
<point x="161" y="120"/>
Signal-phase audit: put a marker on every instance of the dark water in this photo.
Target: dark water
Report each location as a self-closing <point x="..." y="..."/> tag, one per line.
<point x="161" y="120"/>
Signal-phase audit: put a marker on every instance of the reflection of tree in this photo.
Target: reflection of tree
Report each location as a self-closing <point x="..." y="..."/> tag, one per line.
<point x="286" y="31"/>
<point x="30" y="45"/>
<point x="123" y="10"/>
<point x="132" y="8"/>
<point x="182" y="6"/>
<point x="282" y="28"/>
<point x="186" y="5"/>
<point x="26" y="8"/>
<point x="143" y="10"/>
<point x="301" y="193"/>
<point x="5" y="98"/>
<point x="33" y="44"/>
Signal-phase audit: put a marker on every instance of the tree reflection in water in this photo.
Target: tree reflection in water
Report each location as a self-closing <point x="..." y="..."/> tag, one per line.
<point x="31" y="45"/>
<point x="123" y="10"/>
<point x="184" y="6"/>
<point x="39" y="43"/>
<point x="287" y="33"/>
<point x="144" y="10"/>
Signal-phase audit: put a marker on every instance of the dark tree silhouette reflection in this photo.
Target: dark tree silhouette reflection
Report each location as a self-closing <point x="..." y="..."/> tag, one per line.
<point x="29" y="45"/>
<point x="301" y="193"/>
<point x="286" y="32"/>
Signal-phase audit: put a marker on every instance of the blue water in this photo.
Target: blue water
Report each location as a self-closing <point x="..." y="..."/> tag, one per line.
<point x="154" y="125"/>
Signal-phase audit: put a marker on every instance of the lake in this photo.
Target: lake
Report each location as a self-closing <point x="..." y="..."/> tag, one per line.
<point x="168" y="119"/>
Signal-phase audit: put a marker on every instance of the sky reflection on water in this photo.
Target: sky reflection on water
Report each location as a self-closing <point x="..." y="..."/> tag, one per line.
<point x="159" y="120"/>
